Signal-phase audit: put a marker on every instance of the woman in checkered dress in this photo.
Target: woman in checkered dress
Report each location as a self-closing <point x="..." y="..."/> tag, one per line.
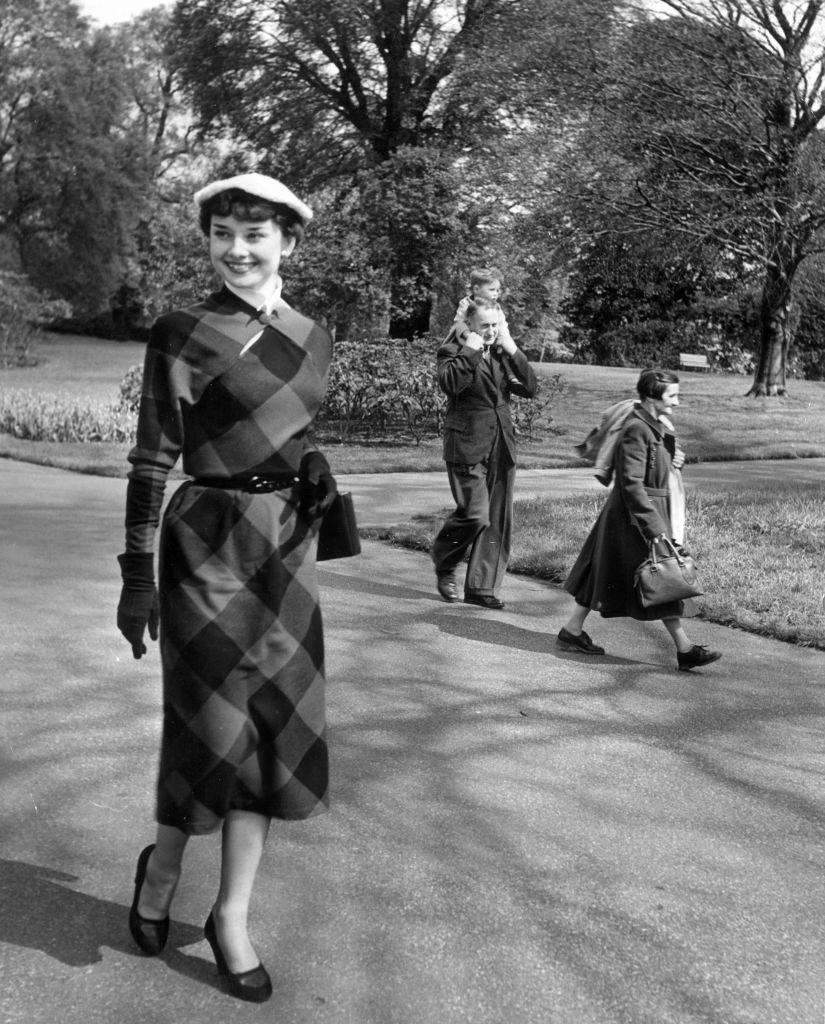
<point x="231" y="386"/>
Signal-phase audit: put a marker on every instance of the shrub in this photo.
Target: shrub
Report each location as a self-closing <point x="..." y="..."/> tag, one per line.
<point x="131" y="388"/>
<point x="530" y="414"/>
<point x="544" y="346"/>
<point x="724" y="354"/>
<point x="382" y="386"/>
<point x="59" y="417"/>
<point x="385" y="387"/>
<point x="22" y="310"/>
<point x="644" y="343"/>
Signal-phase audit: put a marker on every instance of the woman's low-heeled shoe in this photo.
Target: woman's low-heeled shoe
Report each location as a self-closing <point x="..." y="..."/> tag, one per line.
<point x="255" y="985"/>
<point x="577" y="642"/>
<point x="150" y="935"/>
<point x="695" y="657"/>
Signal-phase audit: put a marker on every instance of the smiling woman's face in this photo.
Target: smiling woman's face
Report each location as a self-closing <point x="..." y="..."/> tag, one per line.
<point x="669" y="400"/>
<point x="247" y="253"/>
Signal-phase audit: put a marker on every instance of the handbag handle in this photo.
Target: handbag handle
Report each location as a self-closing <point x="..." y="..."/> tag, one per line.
<point x="670" y="545"/>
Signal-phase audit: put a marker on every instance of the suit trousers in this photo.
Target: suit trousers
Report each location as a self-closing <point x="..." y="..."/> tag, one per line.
<point x="482" y="522"/>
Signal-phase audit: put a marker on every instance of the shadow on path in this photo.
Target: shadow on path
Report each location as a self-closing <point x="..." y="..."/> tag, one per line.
<point x="41" y="912"/>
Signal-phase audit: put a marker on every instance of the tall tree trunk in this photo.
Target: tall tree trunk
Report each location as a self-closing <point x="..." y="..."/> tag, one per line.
<point x="775" y="331"/>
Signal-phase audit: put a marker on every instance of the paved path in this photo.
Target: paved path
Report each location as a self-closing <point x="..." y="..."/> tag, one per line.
<point x="517" y="835"/>
<point x="387" y="498"/>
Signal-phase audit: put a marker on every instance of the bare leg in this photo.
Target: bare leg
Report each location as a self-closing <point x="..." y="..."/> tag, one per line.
<point x="575" y="624"/>
<point x="244" y="835"/>
<point x="678" y="634"/>
<point x="162" y="873"/>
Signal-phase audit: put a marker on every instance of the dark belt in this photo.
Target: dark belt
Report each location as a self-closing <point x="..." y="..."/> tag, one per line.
<point x="250" y="484"/>
<point x="657" y="492"/>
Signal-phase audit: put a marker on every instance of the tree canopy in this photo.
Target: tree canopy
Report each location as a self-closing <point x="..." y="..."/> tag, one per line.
<point x="661" y="162"/>
<point x="85" y="127"/>
<point x="713" y="111"/>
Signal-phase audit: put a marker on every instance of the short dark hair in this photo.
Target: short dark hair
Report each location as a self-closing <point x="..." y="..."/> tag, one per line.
<point x="474" y="305"/>
<point x="654" y="383"/>
<point x="484" y="275"/>
<point x="234" y="202"/>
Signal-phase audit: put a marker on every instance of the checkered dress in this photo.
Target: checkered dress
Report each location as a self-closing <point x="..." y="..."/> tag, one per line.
<point x="241" y="637"/>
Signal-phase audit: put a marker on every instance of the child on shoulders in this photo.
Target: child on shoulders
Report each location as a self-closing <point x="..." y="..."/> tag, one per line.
<point x="485" y="283"/>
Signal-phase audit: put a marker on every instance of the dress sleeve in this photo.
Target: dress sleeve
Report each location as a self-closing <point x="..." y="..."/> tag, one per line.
<point x="158" y="445"/>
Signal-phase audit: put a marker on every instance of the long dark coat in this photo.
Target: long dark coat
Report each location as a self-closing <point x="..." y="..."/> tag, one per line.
<point x="635" y="512"/>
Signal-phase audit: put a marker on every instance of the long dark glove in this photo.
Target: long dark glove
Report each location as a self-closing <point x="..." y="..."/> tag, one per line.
<point x="138" y="605"/>
<point x="316" y="485"/>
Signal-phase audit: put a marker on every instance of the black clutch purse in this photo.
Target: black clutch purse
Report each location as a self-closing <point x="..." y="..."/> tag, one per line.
<point x="338" y="534"/>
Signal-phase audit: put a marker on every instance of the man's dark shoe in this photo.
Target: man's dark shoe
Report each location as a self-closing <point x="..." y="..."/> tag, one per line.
<point x="446" y="586"/>
<point x="582" y="643"/>
<point x="483" y="600"/>
<point x="695" y="657"/>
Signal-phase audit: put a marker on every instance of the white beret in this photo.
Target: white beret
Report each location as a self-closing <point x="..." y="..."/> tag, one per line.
<point x="257" y="185"/>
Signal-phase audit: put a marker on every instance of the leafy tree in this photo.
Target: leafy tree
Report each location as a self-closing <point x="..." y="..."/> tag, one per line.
<point x="22" y="310"/>
<point x="156" y="114"/>
<point x="514" y="110"/>
<point x="714" y="111"/>
<point x="68" y="175"/>
<point x="325" y="86"/>
<point x="335" y="275"/>
<point x="92" y="128"/>
<point x="641" y="299"/>
<point x="388" y="98"/>
<point x="333" y="91"/>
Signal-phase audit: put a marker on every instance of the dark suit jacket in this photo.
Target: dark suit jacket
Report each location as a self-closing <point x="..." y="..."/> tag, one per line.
<point x="478" y="398"/>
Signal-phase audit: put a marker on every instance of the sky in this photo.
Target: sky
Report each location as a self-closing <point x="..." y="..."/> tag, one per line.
<point x="109" y="12"/>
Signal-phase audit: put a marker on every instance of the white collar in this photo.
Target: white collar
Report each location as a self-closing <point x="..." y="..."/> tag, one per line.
<point x="266" y="299"/>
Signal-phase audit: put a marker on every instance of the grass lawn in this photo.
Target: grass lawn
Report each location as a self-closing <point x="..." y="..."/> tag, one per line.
<point x="759" y="552"/>
<point x="716" y="421"/>
<point x="91" y="367"/>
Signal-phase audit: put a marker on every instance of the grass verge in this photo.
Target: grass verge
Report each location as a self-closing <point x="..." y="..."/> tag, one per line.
<point x="716" y="421"/>
<point x="760" y="553"/>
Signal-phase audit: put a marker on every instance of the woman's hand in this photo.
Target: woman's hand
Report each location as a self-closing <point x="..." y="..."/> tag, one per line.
<point x="316" y="485"/>
<point x="137" y="609"/>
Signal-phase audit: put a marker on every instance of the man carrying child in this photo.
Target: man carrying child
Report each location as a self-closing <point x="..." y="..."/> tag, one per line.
<point x="479" y="367"/>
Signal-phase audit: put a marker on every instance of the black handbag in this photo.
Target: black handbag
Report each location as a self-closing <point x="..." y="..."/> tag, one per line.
<point x="338" y="533"/>
<point x="660" y="579"/>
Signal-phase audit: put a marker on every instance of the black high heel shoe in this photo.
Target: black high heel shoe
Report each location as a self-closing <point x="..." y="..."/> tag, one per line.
<point x="255" y="985"/>
<point x="150" y="935"/>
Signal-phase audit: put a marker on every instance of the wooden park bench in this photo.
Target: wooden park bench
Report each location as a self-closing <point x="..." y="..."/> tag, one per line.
<point x="693" y="361"/>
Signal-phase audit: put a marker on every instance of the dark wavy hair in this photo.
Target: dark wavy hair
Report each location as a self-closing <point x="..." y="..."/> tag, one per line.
<point x="234" y="202"/>
<point x="654" y="383"/>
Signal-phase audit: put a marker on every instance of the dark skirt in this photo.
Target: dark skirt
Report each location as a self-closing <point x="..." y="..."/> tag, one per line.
<point x="243" y="660"/>
<point x="602" y="576"/>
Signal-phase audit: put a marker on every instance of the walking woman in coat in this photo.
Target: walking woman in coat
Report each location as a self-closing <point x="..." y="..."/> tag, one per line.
<point x="231" y="385"/>
<point x="642" y="507"/>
